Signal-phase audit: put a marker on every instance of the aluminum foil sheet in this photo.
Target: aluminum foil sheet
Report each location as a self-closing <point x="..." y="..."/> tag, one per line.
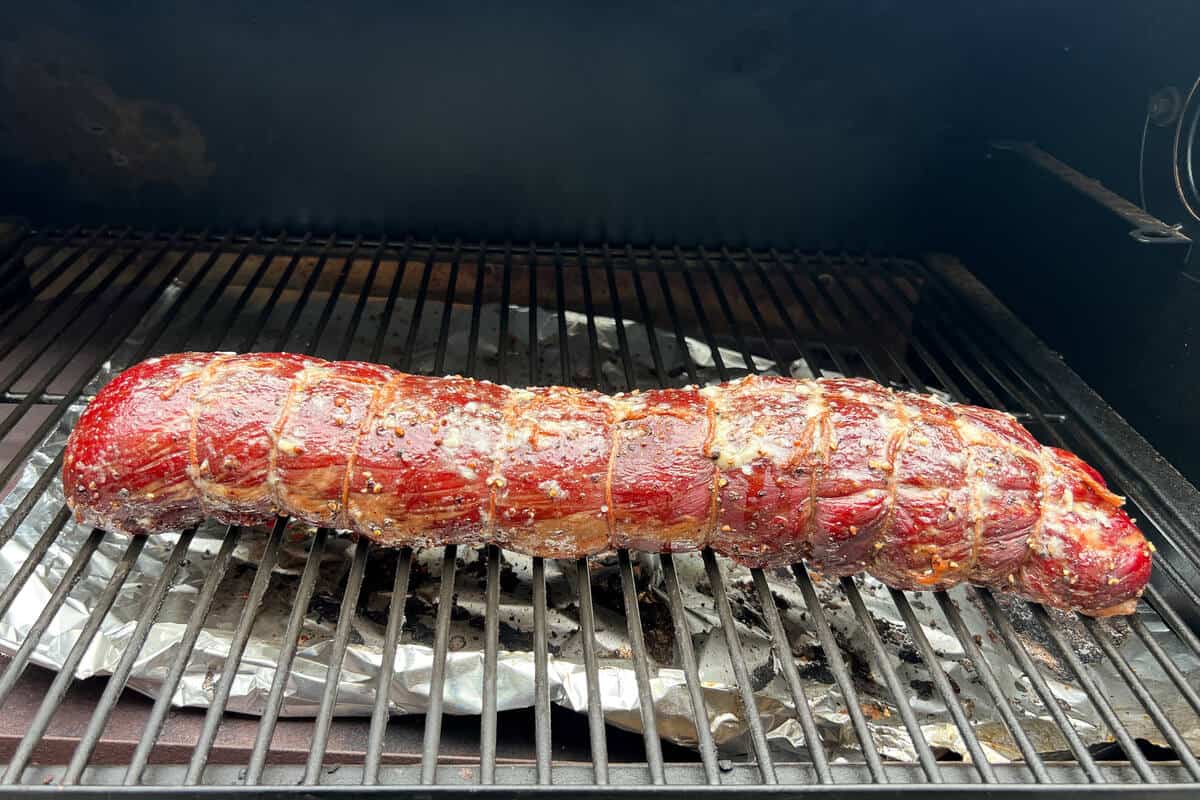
<point x="409" y="691"/>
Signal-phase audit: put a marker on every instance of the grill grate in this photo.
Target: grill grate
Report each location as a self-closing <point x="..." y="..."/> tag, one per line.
<point x="902" y="322"/>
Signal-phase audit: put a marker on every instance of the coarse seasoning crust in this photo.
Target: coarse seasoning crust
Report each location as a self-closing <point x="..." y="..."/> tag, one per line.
<point x="842" y="473"/>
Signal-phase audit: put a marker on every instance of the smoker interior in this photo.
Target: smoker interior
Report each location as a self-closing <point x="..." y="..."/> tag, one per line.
<point x="75" y="297"/>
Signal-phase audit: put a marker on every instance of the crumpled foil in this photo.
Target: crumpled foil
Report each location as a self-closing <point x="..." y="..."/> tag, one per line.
<point x="409" y="691"/>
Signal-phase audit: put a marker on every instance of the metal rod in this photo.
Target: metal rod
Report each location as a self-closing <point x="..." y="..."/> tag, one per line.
<point x="648" y="321"/>
<point x="17" y="267"/>
<point x="20" y="659"/>
<point x="758" y="736"/>
<point x="691" y="670"/>
<point x="187" y="645"/>
<point x="702" y="318"/>
<point x="287" y="654"/>
<point x="116" y="682"/>
<point x="302" y="301"/>
<point x="318" y="330"/>
<point x="1170" y="616"/>
<point x="57" y="271"/>
<point x="212" y="335"/>
<point x="505" y="297"/>
<point x="414" y="324"/>
<point x="841" y="674"/>
<point x="590" y="313"/>
<point x="1088" y="683"/>
<point x="476" y="314"/>
<point x="1164" y="660"/>
<point x="673" y="314"/>
<point x="62" y="680"/>
<point x="983" y="670"/>
<point x="731" y="321"/>
<point x="16" y="583"/>
<point x="1049" y="701"/>
<point x="337" y="655"/>
<point x="614" y="298"/>
<point x="587" y="625"/>
<point x="783" y="654"/>
<point x="31" y="498"/>
<point x="564" y="350"/>
<point x="641" y="667"/>
<point x="16" y="335"/>
<point x="389" y="306"/>
<point x="437" y="680"/>
<point x="491" y="637"/>
<point x="879" y="655"/>
<point x="387" y="668"/>
<point x="541" y="678"/>
<point x="942" y="683"/>
<point x="439" y="356"/>
<point x="360" y="305"/>
<point x="237" y="645"/>
<point x="1142" y="693"/>
<point x="264" y="313"/>
<point x="533" y="320"/>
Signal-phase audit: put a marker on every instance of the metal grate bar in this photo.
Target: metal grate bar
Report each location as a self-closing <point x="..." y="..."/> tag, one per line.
<point x="68" y="300"/>
<point x="54" y="273"/>
<point x="758" y="736"/>
<point x="17" y="582"/>
<point x="802" y="300"/>
<point x="533" y="319"/>
<point x="476" y="315"/>
<point x="439" y="357"/>
<point x="541" y="680"/>
<point x="360" y="305"/>
<point x="191" y="633"/>
<point x="437" y="680"/>
<point x="1044" y="693"/>
<point x="309" y="285"/>
<point x="729" y="267"/>
<point x="16" y="266"/>
<point x="264" y="313"/>
<point x="641" y="667"/>
<point x="491" y="633"/>
<point x="1172" y="618"/>
<point x="1118" y="659"/>
<point x="649" y="322"/>
<point x="116" y="682"/>
<point x="1087" y="681"/>
<point x="783" y="654"/>
<point x="287" y="654"/>
<point x="730" y="320"/>
<point x="614" y="297"/>
<point x="984" y="670"/>
<point x="341" y="640"/>
<point x="809" y="353"/>
<point x="587" y="623"/>
<point x="58" y="688"/>
<point x="978" y="757"/>
<point x="21" y="658"/>
<point x="1164" y="661"/>
<point x="598" y="381"/>
<point x="418" y="309"/>
<point x="237" y="646"/>
<point x="687" y="654"/>
<point x="391" y="638"/>
<point x="505" y="301"/>
<point x="30" y="499"/>
<point x="841" y="674"/>
<point x="335" y="293"/>
<point x="892" y="681"/>
<point x="173" y="339"/>
<point x="389" y="307"/>
<point x="669" y="301"/>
